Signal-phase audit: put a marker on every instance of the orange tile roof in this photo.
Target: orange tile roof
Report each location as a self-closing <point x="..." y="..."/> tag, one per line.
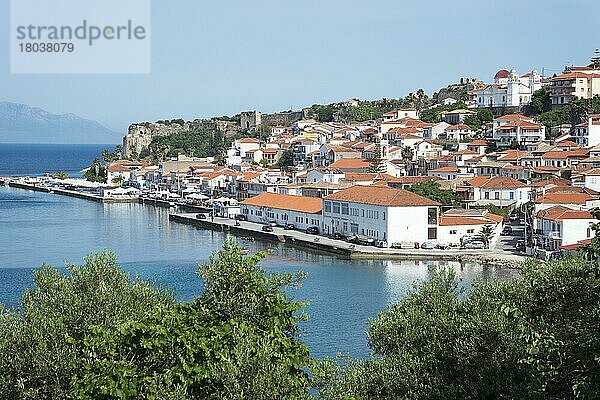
<point x="574" y="75"/>
<point x="562" y="154"/>
<point x="311" y="205"/>
<point x="350" y="163"/>
<point x="564" y="198"/>
<point x="552" y="181"/>
<point x="559" y="213"/>
<point x="520" y="124"/>
<point x="510" y="117"/>
<point x="248" y="140"/>
<point x="118" y="168"/>
<point x="381" y="196"/>
<point x="478" y="143"/>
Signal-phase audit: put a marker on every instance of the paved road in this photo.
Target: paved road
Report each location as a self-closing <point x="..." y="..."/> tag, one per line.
<point x="302" y="236"/>
<point x="505" y="246"/>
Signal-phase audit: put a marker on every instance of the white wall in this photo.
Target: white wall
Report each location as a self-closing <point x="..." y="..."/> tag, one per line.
<point x="265" y="215"/>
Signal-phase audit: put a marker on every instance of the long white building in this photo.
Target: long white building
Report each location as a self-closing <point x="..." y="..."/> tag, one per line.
<point x="381" y="213"/>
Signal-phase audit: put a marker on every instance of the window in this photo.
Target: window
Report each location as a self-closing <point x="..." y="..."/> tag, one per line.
<point x="432" y="233"/>
<point x="354" y="228"/>
<point x="453" y="232"/>
<point x="496" y="195"/>
<point x="486" y="195"/>
<point x="511" y="195"/>
<point x="470" y="230"/>
<point x="345" y="209"/>
<point x="384" y="215"/>
<point x="327" y="206"/>
<point x="432" y="216"/>
<point x="336" y="207"/>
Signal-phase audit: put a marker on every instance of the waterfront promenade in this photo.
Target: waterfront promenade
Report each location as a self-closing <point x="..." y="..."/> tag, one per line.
<point x="496" y="257"/>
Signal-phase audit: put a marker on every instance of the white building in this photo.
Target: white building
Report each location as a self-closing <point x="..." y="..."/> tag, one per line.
<point x="509" y="89"/>
<point x="587" y="134"/>
<point x="381" y="213"/>
<point x="457" y="225"/>
<point x="499" y="191"/>
<point x="518" y="129"/>
<point x="560" y="226"/>
<point x="302" y="212"/>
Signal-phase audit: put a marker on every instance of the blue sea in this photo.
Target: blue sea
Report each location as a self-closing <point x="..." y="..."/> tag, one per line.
<point x="38" y="228"/>
<point x="38" y="159"/>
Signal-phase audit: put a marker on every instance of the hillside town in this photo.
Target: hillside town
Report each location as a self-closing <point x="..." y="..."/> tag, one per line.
<point x="378" y="182"/>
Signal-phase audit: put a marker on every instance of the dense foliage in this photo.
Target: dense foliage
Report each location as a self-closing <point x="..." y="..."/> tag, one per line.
<point x="96" y="334"/>
<point x="95" y="172"/>
<point x="40" y="343"/>
<point x="431" y="190"/>
<point x="477" y="121"/>
<point x="534" y="337"/>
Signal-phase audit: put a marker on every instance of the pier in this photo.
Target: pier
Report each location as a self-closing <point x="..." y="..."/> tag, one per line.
<point x="342" y="248"/>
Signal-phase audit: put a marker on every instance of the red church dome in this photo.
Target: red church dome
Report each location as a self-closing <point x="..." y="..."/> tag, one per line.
<point x="502" y="74"/>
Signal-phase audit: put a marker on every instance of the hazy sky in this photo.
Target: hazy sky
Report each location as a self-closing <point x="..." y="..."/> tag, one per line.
<point x="221" y="57"/>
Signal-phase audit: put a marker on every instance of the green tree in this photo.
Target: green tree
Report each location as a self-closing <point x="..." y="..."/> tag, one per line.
<point x="487" y="233"/>
<point x="541" y="101"/>
<point x="431" y="190"/>
<point x="237" y="341"/>
<point x="377" y="162"/>
<point x="40" y="348"/>
<point x="61" y="175"/>
<point x="535" y="337"/>
<point x="96" y="172"/>
<point x="286" y="159"/>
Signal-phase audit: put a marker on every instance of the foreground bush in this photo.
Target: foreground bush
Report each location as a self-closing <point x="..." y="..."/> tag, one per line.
<point x="40" y="343"/>
<point x="534" y="337"/>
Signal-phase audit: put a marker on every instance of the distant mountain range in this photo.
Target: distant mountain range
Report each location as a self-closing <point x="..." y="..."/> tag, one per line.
<point x="20" y="123"/>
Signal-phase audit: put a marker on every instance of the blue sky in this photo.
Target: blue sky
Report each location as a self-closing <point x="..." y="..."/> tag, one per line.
<point x="221" y="57"/>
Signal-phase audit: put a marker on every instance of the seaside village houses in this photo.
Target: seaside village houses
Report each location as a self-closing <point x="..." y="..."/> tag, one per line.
<point x="352" y="179"/>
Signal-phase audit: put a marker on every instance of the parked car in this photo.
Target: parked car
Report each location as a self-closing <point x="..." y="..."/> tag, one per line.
<point x="290" y="227"/>
<point x="428" y="245"/>
<point x="520" y="246"/>
<point x="241" y="217"/>
<point x="313" y="230"/>
<point x="267" y="228"/>
<point x="337" y="235"/>
<point x="362" y="240"/>
<point x="272" y="223"/>
<point x="475" y="245"/>
<point x="381" y="243"/>
<point x="201" y="216"/>
<point x="513" y="217"/>
<point x="506" y="231"/>
<point x="442" y="245"/>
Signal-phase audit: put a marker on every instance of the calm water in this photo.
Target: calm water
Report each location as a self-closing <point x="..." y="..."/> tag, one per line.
<point x="343" y="295"/>
<point x="38" y="159"/>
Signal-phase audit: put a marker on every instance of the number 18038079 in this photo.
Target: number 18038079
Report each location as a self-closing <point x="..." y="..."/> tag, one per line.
<point x="47" y="47"/>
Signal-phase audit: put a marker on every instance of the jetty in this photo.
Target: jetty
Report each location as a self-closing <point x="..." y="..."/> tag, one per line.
<point x="341" y="248"/>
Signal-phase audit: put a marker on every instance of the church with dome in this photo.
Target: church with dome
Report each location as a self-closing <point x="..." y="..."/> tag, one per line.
<point x="509" y="89"/>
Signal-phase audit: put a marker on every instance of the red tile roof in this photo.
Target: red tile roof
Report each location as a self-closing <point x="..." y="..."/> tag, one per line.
<point x="381" y="196"/>
<point x="351" y="163"/>
<point x="496" y="182"/>
<point x="311" y="205"/>
<point x="564" y="198"/>
<point x="559" y="213"/>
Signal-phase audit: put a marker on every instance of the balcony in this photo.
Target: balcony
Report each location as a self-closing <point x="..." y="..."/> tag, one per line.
<point x="554" y="235"/>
